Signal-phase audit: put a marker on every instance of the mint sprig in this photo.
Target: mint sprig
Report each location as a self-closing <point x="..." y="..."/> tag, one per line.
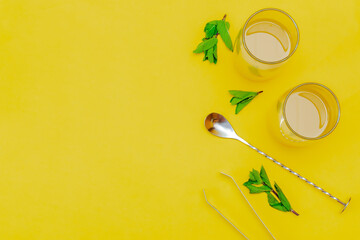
<point x="259" y="182"/>
<point x="242" y="98"/>
<point x="209" y="42"/>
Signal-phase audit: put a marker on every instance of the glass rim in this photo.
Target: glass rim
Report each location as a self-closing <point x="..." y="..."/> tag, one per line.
<point x="287" y="123"/>
<point x="270" y="62"/>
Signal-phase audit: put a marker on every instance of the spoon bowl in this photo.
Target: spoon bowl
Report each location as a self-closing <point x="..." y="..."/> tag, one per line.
<point x="217" y="124"/>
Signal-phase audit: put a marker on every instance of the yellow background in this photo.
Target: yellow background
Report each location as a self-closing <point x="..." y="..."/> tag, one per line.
<point x="101" y="131"/>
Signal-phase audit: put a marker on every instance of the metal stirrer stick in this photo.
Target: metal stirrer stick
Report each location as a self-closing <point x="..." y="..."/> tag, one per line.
<point x="219" y="126"/>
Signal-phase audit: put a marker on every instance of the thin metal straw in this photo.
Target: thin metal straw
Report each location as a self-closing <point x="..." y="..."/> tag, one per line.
<point x="249" y="204"/>
<point x="223" y="216"/>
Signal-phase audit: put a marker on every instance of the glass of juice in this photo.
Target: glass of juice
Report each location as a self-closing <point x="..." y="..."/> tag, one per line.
<point x="267" y="40"/>
<point x="310" y="111"/>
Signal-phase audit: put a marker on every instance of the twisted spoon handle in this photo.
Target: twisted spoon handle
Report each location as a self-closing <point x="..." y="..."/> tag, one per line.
<point x="296" y="174"/>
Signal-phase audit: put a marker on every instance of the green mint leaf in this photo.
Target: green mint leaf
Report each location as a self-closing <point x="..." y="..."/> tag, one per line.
<point x="239" y="107"/>
<point x="224" y="33"/>
<point x="264" y="177"/>
<point x="215" y="52"/>
<point x="282" y="197"/>
<point x="280" y="207"/>
<point x="205" y="55"/>
<point x="242" y="104"/>
<point x="210" y="30"/>
<point x="210" y="55"/>
<point x="247" y="99"/>
<point x="273" y="202"/>
<point x="205" y="45"/>
<point x="259" y="182"/>
<point x="255" y="189"/>
<point x="256" y="175"/>
<point x="242" y="99"/>
<point x="210" y="40"/>
<point x="210" y="24"/>
<point x="271" y="199"/>
<point x="252" y="177"/>
<point x="235" y="100"/>
<point x="242" y="94"/>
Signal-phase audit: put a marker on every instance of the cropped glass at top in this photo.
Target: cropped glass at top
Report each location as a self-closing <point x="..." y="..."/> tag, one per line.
<point x="310" y="111"/>
<point x="267" y="40"/>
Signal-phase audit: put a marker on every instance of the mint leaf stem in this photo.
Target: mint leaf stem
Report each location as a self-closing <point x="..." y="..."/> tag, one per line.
<point x="294" y="212"/>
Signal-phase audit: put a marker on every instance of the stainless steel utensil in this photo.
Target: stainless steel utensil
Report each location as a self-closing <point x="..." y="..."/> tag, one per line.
<point x="223" y="216"/>
<point x="217" y="124"/>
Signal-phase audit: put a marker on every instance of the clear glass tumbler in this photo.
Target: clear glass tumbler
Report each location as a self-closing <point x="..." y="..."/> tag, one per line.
<point x="267" y="40"/>
<point x="310" y="111"/>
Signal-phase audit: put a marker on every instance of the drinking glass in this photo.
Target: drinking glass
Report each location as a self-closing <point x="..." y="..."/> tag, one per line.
<point x="310" y="111"/>
<point x="267" y="40"/>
